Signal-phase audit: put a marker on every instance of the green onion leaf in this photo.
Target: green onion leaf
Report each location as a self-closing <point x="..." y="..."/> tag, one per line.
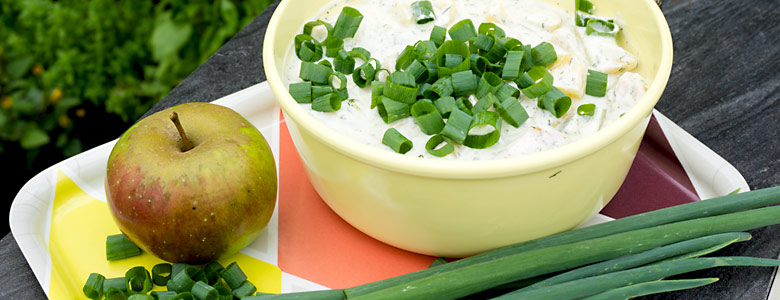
<point x="301" y="91"/>
<point x="391" y="110"/>
<point x="488" y="83"/>
<point x="422" y="11"/>
<point x="396" y="141"/>
<point x="441" y="88"/>
<point x="161" y="273"/>
<point x="586" y="109"/>
<point x="445" y="105"/>
<point x="601" y="27"/>
<point x="138" y="280"/>
<point x="463" y="30"/>
<point x="596" y="83"/>
<point x="463" y="83"/>
<point x="427" y="117"/>
<point x="650" y="287"/>
<point x="555" y="102"/>
<point x="118" y="246"/>
<point x="439" y="146"/>
<point x="342" y="81"/>
<point x="343" y="62"/>
<point x="438" y="35"/>
<point x="347" y="23"/>
<point x="544" y="54"/>
<point x="514" y="60"/>
<point x="307" y="48"/>
<point x="541" y="82"/>
<point x="444" y="57"/>
<point x="316" y="73"/>
<point x="327" y="103"/>
<point x="93" y="288"/>
<point x="512" y="111"/>
<point x="457" y="126"/>
<point x="480" y="134"/>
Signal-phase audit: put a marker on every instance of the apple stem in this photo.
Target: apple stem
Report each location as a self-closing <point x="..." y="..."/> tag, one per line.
<point x="186" y="144"/>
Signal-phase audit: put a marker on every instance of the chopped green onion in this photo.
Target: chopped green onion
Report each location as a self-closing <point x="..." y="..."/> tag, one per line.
<point x="601" y="27"/>
<point x="555" y="102"/>
<point x="407" y="56"/>
<point x="138" y="280"/>
<point x="333" y="46"/>
<point x="326" y="63"/>
<point x="441" y="88"/>
<point x="464" y="104"/>
<point x="479" y="64"/>
<point x="361" y="53"/>
<point x="212" y="270"/>
<point x="457" y="126"/>
<point x="163" y="295"/>
<point x="316" y="73"/>
<point x="586" y="109"/>
<point x="544" y="54"/>
<point x="512" y="111"/>
<point x="484" y="103"/>
<point x="301" y="91"/>
<point x="113" y="293"/>
<point x="342" y="81"/>
<point x="541" y="82"/>
<point x="514" y="60"/>
<point x="452" y="60"/>
<point x="463" y="83"/>
<point x="418" y="70"/>
<point x="246" y="289"/>
<point x="233" y="275"/>
<point x="401" y="87"/>
<point x="482" y="42"/>
<point x="320" y="90"/>
<point x="118" y="246"/>
<point x="427" y="117"/>
<point x="161" y="273"/>
<point x="507" y="90"/>
<point x="581" y="18"/>
<point x="140" y="297"/>
<point x="433" y="71"/>
<point x="364" y="73"/>
<point x="451" y="47"/>
<point x="423" y="87"/>
<point x="496" y="53"/>
<point x="596" y="83"/>
<point x="347" y="23"/>
<point x="488" y="83"/>
<point x="327" y="103"/>
<point x="583" y="5"/>
<point x="483" y="140"/>
<point x="486" y="28"/>
<point x="224" y="292"/>
<point x="309" y="27"/>
<point x="391" y="110"/>
<point x="307" y="48"/>
<point x="528" y="60"/>
<point x="118" y="283"/>
<point x="343" y="62"/>
<point x="396" y="141"/>
<point x="377" y="89"/>
<point x="513" y="44"/>
<point x="422" y="11"/>
<point x="463" y="30"/>
<point x="439" y="146"/>
<point x="425" y="49"/>
<point x="445" y="105"/>
<point x="438" y="35"/>
<point x="183" y="296"/>
<point x="203" y="291"/>
<point x="93" y="288"/>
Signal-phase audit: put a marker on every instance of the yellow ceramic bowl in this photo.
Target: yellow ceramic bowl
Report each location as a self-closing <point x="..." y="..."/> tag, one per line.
<point x="459" y="208"/>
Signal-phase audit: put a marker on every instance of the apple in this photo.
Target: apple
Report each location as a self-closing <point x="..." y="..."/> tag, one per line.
<point x="193" y="183"/>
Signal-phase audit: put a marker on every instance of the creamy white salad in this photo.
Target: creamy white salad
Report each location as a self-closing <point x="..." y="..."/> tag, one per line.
<point x="388" y="27"/>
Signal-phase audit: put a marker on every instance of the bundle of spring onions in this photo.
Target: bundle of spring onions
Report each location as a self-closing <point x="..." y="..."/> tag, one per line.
<point x="619" y="259"/>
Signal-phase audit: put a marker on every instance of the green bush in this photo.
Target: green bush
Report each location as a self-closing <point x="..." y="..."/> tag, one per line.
<point x="58" y="57"/>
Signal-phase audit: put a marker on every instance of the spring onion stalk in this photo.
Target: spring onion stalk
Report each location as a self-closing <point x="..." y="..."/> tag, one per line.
<point x="163" y="295"/>
<point x="335" y="294"/>
<point x="438" y="35"/>
<point x="601" y="27"/>
<point x="439" y="146"/>
<point x="482" y="42"/>
<point x="427" y="116"/>
<point x="586" y="109"/>
<point x="93" y="288"/>
<point x="233" y="275"/>
<point x="119" y="247"/>
<point x="723" y="205"/>
<point x="360" y="53"/>
<point x="445" y="105"/>
<point x="422" y="12"/>
<point x="161" y="273"/>
<point x="463" y="30"/>
<point x="347" y="23"/>
<point x="211" y="270"/>
<point x="138" y="280"/>
<point x="496" y="53"/>
<point x="543" y="54"/>
<point x="512" y="111"/>
<point x="327" y="103"/>
<point x="581" y="18"/>
<point x="649" y="288"/>
<point x="245" y="289"/>
<point x="396" y="141"/>
<point x="592" y="285"/>
<point x="463" y="83"/>
<point x="556" y="102"/>
<point x="440" y="260"/>
<point x="316" y="73"/>
<point x="401" y="86"/>
<point x="487" y="139"/>
<point x="457" y="126"/>
<point x="541" y="82"/>
<point x="709" y="243"/>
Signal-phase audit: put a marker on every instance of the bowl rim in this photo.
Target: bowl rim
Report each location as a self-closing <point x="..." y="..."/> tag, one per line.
<point x="458" y="169"/>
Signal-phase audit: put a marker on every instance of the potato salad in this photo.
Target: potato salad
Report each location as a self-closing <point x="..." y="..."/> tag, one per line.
<point x="554" y="77"/>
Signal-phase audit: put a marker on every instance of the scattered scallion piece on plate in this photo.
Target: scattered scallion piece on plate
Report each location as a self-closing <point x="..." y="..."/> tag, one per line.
<point x="586" y="109"/>
<point x="596" y="84"/>
<point x="396" y="141"/>
<point x="601" y="27"/>
<point x="118" y="246"/>
<point x="161" y="273"/>
<point x="439" y="146"/>
<point x="422" y="11"/>
<point x="93" y="289"/>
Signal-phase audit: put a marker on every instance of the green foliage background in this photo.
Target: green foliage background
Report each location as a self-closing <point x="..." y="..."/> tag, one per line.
<point x="59" y="58"/>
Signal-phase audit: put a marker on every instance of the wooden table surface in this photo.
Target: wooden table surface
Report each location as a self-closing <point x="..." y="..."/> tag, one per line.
<point x="724" y="90"/>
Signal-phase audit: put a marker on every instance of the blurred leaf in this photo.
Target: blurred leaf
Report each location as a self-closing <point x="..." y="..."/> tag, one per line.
<point x="18" y="66"/>
<point x="3" y="118"/>
<point x="33" y="137"/>
<point x="168" y="37"/>
<point x="72" y="148"/>
<point x="31" y="103"/>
